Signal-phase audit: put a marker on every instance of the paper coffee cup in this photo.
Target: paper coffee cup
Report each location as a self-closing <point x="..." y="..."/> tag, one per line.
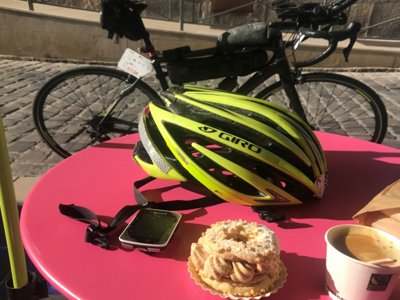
<point x="348" y="276"/>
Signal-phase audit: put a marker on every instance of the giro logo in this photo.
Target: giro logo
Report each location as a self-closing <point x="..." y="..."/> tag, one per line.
<point x="208" y="129"/>
<point x="239" y="141"/>
<point x="232" y="139"/>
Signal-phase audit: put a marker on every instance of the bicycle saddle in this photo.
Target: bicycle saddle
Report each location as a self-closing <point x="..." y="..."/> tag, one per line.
<point x="250" y="34"/>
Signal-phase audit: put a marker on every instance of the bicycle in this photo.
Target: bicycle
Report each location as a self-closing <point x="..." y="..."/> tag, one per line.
<point x="88" y="105"/>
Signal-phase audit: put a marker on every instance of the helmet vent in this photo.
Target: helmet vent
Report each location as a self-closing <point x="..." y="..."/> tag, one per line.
<point x="215" y="148"/>
<point x="233" y="181"/>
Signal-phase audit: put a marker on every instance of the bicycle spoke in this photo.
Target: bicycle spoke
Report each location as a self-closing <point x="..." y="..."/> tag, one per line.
<point x="332" y="104"/>
<point x="69" y="109"/>
<point x="81" y="98"/>
<point x="330" y="100"/>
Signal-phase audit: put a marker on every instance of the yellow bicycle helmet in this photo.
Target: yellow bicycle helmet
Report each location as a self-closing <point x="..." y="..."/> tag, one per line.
<point x="245" y="150"/>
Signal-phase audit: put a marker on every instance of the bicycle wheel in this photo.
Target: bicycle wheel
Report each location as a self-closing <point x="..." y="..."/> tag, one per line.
<point x="68" y="109"/>
<point x="336" y="104"/>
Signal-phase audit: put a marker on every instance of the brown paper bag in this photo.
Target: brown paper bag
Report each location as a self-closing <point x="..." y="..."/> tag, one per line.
<point x="383" y="211"/>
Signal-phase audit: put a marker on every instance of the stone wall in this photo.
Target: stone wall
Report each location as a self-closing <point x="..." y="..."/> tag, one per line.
<point x="368" y="12"/>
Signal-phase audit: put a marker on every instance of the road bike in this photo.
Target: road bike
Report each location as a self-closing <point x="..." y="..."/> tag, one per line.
<point x="84" y="106"/>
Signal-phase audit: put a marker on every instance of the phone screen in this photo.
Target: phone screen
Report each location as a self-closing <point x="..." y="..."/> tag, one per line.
<point x="153" y="227"/>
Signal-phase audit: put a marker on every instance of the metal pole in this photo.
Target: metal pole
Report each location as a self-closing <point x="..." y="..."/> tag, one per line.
<point x="9" y="213"/>
<point x="181" y="17"/>
<point x="170" y="10"/>
<point x="30" y="3"/>
<point x="229" y="10"/>
<point x="384" y="22"/>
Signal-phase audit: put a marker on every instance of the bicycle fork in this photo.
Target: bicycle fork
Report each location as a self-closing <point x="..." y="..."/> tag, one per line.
<point x="288" y="83"/>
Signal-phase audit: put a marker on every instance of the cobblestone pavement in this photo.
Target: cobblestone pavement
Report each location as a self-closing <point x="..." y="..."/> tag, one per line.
<point x="29" y="156"/>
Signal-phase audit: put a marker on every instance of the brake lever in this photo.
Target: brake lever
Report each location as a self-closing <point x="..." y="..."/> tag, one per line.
<point x="298" y="41"/>
<point x="347" y="50"/>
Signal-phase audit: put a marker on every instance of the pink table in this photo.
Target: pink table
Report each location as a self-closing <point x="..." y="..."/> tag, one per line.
<point x="101" y="178"/>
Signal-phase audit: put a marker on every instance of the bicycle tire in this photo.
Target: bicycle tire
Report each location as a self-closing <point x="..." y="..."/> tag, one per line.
<point x="337" y="104"/>
<point x="68" y="107"/>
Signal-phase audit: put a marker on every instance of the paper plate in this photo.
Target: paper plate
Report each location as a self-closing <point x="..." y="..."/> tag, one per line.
<point x="277" y="285"/>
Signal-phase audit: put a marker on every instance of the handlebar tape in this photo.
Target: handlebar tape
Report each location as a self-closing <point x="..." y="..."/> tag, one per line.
<point x="334" y="37"/>
<point x="339" y="35"/>
<point x="318" y="58"/>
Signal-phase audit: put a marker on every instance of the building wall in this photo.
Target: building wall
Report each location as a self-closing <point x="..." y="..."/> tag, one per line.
<point x="38" y="35"/>
<point x="30" y="34"/>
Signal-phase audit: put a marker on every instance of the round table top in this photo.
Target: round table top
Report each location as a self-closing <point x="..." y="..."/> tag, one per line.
<point x="101" y="178"/>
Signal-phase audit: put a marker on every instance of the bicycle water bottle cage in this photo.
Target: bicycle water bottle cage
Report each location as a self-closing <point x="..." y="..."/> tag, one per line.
<point x="122" y="17"/>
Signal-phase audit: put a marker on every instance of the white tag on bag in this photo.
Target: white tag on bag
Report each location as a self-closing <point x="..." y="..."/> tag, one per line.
<point x="135" y="63"/>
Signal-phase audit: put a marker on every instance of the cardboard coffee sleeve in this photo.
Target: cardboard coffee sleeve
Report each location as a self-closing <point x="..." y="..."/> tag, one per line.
<point x="383" y="211"/>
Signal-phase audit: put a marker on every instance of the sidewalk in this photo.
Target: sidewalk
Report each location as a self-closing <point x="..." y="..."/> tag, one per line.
<point x="31" y="158"/>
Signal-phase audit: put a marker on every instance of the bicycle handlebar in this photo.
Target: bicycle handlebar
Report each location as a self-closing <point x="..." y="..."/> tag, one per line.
<point x="320" y="57"/>
<point x="333" y="37"/>
<point x="314" y="14"/>
<point x="341" y="5"/>
<point x="339" y="35"/>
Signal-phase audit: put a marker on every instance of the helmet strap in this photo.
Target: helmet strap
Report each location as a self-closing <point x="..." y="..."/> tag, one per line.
<point x="98" y="235"/>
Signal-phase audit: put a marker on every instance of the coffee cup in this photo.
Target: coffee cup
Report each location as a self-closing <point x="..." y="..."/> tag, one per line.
<point x="353" y="270"/>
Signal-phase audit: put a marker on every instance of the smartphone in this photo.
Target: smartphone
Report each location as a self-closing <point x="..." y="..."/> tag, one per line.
<point x="150" y="230"/>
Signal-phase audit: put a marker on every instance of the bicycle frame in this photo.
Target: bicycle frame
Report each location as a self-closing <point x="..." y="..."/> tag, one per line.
<point x="239" y="52"/>
<point x="278" y="64"/>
